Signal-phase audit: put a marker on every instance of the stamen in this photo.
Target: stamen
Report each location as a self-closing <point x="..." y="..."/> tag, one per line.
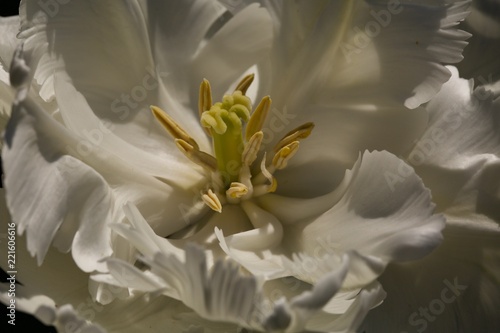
<point x="300" y="132"/>
<point x="245" y="84"/>
<point x="203" y="159"/>
<point x="281" y="158"/>
<point x="172" y="127"/>
<point x="236" y="191"/>
<point x="252" y="148"/>
<point x="258" y="117"/>
<point x="205" y="97"/>
<point x="205" y="100"/>
<point x="212" y="201"/>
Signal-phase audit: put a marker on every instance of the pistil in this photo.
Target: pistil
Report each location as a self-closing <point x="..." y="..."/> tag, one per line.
<point x="225" y="123"/>
<point x="236" y="146"/>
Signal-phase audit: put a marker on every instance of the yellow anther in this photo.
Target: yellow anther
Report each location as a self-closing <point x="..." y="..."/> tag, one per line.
<point x="237" y="190"/>
<point x="212" y="201"/>
<point x="298" y="133"/>
<point x="281" y="158"/>
<point x="172" y="127"/>
<point x="205" y="97"/>
<point x="252" y="148"/>
<point x="203" y="159"/>
<point x="258" y="117"/>
<point x="245" y="84"/>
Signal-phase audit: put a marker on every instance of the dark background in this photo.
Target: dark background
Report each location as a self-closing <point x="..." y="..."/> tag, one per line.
<point x="24" y="322"/>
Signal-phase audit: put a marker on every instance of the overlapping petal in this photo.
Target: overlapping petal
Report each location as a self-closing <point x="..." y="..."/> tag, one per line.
<point x="97" y="147"/>
<point x="223" y="293"/>
<point x="369" y="60"/>
<point x="454" y="289"/>
<point x="459" y="150"/>
<point x="8" y="41"/>
<point x="59" y="281"/>
<point x="379" y="214"/>
<point x="54" y="196"/>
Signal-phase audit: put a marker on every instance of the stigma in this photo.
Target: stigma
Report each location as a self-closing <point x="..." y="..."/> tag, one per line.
<point x="237" y="135"/>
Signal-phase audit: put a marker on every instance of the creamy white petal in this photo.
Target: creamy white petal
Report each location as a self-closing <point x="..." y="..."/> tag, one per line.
<point x="356" y="99"/>
<point x="41" y="201"/>
<point x="79" y="118"/>
<point x="483" y="66"/>
<point x="224" y="294"/>
<point x="56" y="196"/>
<point x="59" y="281"/>
<point x="484" y="19"/>
<point x="8" y="40"/>
<point x="367" y="299"/>
<point x="63" y="317"/>
<point x="242" y="42"/>
<point x="99" y="73"/>
<point x="221" y="294"/>
<point x="461" y="146"/>
<point x="290" y="210"/>
<point x="385" y="214"/>
<point x="341" y="132"/>
<point x="347" y="38"/>
<point x="174" y="40"/>
<point x="454" y="289"/>
<point x="117" y="75"/>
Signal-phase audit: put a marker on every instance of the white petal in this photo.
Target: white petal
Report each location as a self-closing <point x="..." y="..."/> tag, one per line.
<point x="60" y="281"/>
<point x="460" y="148"/>
<point x="174" y="41"/>
<point x="385" y="214"/>
<point x="267" y="232"/>
<point x="464" y="132"/>
<point x="117" y="28"/>
<point x="482" y="21"/>
<point x="342" y="129"/>
<point x="109" y="63"/>
<point x="478" y="64"/>
<point x="40" y="201"/>
<point x="58" y="278"/>
<point x="8" y="41"/>
<point x="365" y="301"/>
<point x="356" y="45"/>
<point x="389" y="207"/>
<point x="42" y="177"/>
<point x="291" y="210"/>
<point x="239" y="44"/>
<point x="63" y="317"/>
<point x="222" y="294"/>
<point x="80" y="119"/>
<point x="454" y="289"/>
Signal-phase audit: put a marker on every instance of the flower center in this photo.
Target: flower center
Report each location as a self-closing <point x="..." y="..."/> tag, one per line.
<point x="235" y="145"/>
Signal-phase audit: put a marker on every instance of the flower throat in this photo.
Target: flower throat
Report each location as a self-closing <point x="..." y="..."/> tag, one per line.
<point x="236" y="145"/>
